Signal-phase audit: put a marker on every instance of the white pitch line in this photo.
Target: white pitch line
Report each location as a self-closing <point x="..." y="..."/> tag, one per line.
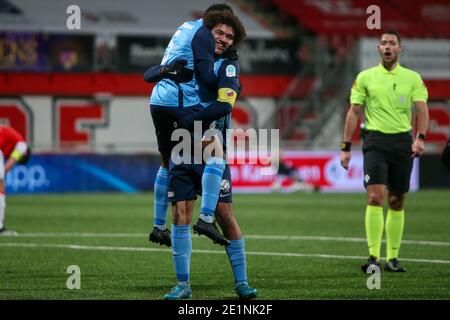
<point x="255" y="253"/>
<point x="341" y="239"/>
<point x="254" y="236"/>
<point x="77" y="235"/>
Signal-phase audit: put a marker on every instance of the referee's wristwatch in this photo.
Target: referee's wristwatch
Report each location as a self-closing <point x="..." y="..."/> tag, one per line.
<point x="421" y="136"/>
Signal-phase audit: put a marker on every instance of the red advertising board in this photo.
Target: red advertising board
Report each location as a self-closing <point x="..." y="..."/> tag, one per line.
<point x="321" y="169"/>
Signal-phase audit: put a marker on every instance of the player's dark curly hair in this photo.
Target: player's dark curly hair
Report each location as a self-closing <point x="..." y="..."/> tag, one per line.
<point x="213" y="18"/>
<point x="219" y="7"/>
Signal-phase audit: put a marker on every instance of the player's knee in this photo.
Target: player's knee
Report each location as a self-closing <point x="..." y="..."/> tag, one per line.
<point x="375" y="199"/>
<point x="396" y="206"/>
<point x="181" y="213"/>
<point x="176" y="217"/>
<point x="396" y="202"/>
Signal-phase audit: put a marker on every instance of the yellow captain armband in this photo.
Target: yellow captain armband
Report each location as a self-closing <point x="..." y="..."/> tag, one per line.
<point x="16" y="155"/>
<point x="227" y="95"/>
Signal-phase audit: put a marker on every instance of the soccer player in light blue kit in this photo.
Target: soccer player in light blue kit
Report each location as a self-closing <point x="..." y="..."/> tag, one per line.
<point x="173" y="98"/>
<point x="186" y="180"/>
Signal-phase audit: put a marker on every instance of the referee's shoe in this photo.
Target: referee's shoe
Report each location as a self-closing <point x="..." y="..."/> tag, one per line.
<point x="371" y="261"/>
<point x="393" y="266"/>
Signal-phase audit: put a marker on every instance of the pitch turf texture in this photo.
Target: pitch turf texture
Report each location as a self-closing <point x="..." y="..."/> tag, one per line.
<point x="299" y="246"/>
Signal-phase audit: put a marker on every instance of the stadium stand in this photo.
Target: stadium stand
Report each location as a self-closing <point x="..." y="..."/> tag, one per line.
<point x="416" y="18"/>
<point x="139" y="17"/>
<point x="339" y="25"/>
<point x="118" y="40"/>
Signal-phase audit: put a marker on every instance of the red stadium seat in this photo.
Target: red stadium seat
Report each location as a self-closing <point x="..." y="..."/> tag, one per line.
<point x="414" y="18"/>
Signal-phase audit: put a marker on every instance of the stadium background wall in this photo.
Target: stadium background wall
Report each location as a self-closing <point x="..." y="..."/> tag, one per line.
<point x="130" y="173"/>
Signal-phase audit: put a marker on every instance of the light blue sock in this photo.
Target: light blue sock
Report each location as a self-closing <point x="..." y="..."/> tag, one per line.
<point x="211" y="181"/>
<point x="160" y="194"/>
<point x="181" y="251"/>
<point x="236" y="255"/>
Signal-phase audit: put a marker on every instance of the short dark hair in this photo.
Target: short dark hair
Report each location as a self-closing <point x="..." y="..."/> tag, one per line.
<point x="393" y="32"/>
<point x="213" y="18"/>
<point x="219" y="7"/>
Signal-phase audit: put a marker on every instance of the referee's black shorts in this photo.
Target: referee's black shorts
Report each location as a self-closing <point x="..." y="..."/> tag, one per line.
<point x="388" y="161"/>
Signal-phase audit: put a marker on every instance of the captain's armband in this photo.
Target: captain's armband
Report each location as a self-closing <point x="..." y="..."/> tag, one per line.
<point x="227" y="95"/>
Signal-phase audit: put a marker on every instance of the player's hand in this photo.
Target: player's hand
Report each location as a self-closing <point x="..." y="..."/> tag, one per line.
<point x="231" y="53"/>
<point x="446" y="155"/>
<point x="418" y="148"/>
<point x="345" y="159"/>
<point x="177" y="71"/>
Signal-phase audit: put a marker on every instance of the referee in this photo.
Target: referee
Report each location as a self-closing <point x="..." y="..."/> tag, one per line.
<point x="386" y="93"/>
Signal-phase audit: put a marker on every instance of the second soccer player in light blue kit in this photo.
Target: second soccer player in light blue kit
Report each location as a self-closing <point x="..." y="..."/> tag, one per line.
<point x="173" y="98"/>
<point x="186" y="180"/>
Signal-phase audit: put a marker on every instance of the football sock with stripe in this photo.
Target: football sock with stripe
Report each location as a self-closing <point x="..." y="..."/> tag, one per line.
<point x="160" y="195"/>
<point x="181" y="251"/>
<point x="374" y="229"/>
<point x="395" y="222"/>
<point x="236" y="255"/>
<point x="211" y="181"/>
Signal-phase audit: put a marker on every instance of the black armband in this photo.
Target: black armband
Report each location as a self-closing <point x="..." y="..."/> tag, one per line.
<point x="346" y="146"/>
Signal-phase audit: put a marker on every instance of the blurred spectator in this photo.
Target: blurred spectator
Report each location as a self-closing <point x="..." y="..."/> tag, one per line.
<point x="286" y="171"/>
<point x="13" y="149"/>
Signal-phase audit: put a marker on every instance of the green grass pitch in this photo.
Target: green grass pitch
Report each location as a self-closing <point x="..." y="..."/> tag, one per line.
<point x="299" y="246"/>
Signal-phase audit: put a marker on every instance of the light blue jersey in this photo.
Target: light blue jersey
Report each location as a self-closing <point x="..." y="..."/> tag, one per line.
<point x="166" y="92"/>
